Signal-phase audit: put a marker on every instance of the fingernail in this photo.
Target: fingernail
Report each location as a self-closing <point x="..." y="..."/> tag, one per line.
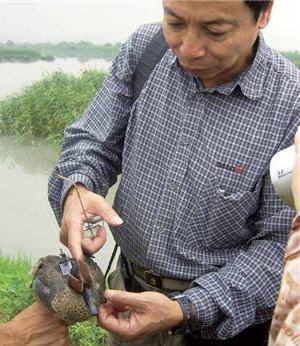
<point x="107" y="294"/>
<point x="117" y="220"/>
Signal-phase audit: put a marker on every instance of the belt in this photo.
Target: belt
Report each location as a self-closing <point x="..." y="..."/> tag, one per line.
<point x="156" y="281"/>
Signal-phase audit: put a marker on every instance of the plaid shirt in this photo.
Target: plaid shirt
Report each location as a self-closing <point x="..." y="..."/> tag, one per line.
<point x="195" y="193"/>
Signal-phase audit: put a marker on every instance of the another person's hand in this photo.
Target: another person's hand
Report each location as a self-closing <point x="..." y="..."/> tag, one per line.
<point x="74" y="218"/>
<point x="296" y="172"/>
<point x="34" y="326"/>
<point x="149" y="313"/>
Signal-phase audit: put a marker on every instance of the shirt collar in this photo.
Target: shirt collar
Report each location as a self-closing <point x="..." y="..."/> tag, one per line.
<point x="250" y="81"/>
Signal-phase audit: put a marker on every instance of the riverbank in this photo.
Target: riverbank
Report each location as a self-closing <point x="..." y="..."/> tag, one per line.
<point x="47" y="106"/>
<point x="83" y="50"/>
<point x="22" y="55"/>
<point x="16" y="294"/>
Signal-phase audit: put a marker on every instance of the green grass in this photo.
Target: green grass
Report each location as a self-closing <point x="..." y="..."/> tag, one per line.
<point x="87" y="334"/>
<point x="46" y="107"/>
<point x="16" y="294"/>
<point x="15" y="280"/>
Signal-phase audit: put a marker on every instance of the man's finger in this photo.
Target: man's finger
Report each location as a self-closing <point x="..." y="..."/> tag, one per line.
<point x="75" y="239"/>
<point x="102" y="208"/>
<point x="92" y="245"/>
<point x="122" y="298"/>
<point x="108" y="319"/>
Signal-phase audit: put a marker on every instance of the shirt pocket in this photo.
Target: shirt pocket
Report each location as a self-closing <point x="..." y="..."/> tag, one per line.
<point x="227" y="215"/>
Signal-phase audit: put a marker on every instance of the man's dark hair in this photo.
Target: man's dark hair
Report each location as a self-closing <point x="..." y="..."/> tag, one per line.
<point x="258" y="6"/>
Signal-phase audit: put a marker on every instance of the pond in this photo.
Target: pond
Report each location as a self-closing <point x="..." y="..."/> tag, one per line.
<point x="14" y="76"/>
<point x="28" y="225"/>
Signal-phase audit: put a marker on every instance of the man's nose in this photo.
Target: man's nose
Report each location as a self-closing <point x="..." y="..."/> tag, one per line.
<point x="192" y="47"/>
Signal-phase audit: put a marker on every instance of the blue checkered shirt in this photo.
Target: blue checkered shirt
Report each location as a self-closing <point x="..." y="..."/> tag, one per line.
<point x="195" y="193"/>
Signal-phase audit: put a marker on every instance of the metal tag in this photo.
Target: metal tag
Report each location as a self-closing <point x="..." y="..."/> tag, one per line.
<point x="65" y="267"/>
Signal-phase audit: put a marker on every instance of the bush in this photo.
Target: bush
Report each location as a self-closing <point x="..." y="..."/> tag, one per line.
<point x="46" y="107"/>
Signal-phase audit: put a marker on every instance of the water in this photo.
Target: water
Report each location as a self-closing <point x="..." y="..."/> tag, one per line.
<point x="27" y="223"/>
<point x="14" y="76"/>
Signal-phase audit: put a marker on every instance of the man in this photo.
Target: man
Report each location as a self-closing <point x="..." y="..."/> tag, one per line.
<point x="195" y="211"/>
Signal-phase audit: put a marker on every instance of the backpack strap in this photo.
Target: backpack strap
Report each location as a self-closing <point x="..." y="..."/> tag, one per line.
<point x="112" y="257"/>
<point x="149" y="59"/>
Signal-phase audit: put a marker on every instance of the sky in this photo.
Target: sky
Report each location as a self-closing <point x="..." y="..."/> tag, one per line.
<point x="113" y="21"/>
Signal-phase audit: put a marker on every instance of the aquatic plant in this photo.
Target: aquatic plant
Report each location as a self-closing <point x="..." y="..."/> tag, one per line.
<point x="46" y="107"/>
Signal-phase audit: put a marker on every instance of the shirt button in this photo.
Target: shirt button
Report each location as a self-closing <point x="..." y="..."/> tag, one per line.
<point x="172" y="186"/>
<point x="161" y="229"/>
<point x="185" y="140"/>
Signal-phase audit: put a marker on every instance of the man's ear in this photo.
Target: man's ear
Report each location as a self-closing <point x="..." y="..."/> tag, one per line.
<point x="265" y="16"/>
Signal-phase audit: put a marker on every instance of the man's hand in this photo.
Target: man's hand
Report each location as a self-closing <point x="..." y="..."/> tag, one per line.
<point x="74" y="218"/>
<point x="35" y="325"/>
<point x="150" y="313"/>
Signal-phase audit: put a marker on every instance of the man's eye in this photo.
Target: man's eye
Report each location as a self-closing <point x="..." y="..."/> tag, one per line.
<point x="175" y="25"/>
<point x="217" y="34"/>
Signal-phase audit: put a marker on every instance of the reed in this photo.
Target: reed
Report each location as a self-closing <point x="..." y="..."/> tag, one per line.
<point x="46" y="107"/>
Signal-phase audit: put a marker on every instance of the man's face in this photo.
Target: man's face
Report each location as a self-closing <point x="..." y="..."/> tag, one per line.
<point x="213" y="40"/>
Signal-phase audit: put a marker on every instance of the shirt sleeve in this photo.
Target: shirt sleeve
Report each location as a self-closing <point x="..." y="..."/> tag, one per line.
<point x="244" y="291"/>
<point x="92" y="148"/>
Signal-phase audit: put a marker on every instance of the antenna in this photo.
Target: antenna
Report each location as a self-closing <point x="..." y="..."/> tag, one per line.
<point x="79" y="197"/>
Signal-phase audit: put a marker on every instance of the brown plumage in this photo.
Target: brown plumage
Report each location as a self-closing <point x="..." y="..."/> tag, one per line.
<point x="52" y="288"/>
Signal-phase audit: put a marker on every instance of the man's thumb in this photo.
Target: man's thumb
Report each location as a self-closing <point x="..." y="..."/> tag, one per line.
<point x="103" y="209"/>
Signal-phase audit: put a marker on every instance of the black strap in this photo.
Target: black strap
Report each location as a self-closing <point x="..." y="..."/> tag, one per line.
<point x="112" y="257"/>
<point x="149" y="59"/>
